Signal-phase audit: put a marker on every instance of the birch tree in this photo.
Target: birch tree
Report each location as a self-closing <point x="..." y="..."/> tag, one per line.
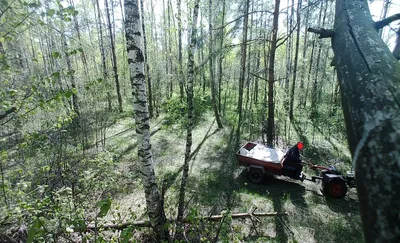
<point x="190" y="78"/>
<point x="134" y="45"/>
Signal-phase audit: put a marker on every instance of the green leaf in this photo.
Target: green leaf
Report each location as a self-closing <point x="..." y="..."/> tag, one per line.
<point x="105" y="206"/>
<point x="127" y="234"/>
<point x="67" y="19"/>
<point x="32" y="231"/>
<point x="56" y="54"/>
<point x="68" y="94"/>
<point x="51" y="12"/>
<point x="55" y="74"/>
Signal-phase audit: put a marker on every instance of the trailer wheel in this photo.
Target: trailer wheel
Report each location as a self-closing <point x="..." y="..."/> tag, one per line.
<point x="255" y="175"/>
<point x="336" y="188"/>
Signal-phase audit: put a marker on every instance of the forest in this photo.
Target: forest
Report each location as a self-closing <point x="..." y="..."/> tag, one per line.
<point x="120" y="120"/>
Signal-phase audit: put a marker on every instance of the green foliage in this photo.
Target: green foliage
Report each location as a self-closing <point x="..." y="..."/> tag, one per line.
<point x="176" y="110"/>
<point x="105" y="206"/>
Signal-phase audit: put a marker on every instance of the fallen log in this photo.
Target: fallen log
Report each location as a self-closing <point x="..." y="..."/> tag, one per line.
<point x="146" y="223"/>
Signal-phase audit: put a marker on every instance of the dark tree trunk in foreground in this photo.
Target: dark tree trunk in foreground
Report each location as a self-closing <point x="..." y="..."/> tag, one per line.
<point x="114" y="58"/>
<point x="271" y="77"/>
<point x="369" y="79"/>
<point x="134" y="46"/>
<point x="190" y="112"/>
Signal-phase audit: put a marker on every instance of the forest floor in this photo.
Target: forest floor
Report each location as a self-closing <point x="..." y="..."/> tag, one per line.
<point x="216" y="183"/>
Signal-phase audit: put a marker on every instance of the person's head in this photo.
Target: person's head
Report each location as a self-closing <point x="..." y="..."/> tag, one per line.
<point x="300" y="145"/>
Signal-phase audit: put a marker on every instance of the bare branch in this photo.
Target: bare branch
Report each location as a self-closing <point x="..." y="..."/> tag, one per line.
<point x="323" y="33"/>
<point x="286" y="37"/>
<point x="230" y="22"/>
<point x="386" y="21"/>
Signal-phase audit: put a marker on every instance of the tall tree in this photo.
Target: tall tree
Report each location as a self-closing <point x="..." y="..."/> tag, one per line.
<point x="134" y="46"/>
<point x="369" y="78"/>
<point x="221" y="56"/>
<point x="75" y="102"/>
<point x="180" y="70"/>
<point x="296" y="56"/>
<point x="190" y="78"/>
<point x="146" y="60"/>
<point x="211" y="62"/>
<point x="102" y="51"/>
<point x="271" y="76"/>
<point x="242" y="70"/>
<point x="114" y="57"/>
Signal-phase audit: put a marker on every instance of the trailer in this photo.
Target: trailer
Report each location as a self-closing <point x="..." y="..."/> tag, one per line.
<point x="261" y="160"/>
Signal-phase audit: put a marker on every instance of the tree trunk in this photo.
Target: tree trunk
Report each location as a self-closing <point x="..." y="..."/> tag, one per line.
<point x="314" y="90"/>
<point x="212" y="80"/>
<point x="180" y="70"/>
<point x="242" y="71"/>
<point x="102" y="52"/>
<point x="221" y="57"/>
<point x="296" y="56"/>
<point x="146" y="60"/>
<point x="134" y="47"/>
<point x="75" y="102"/>
<point x="271" y="77"/>
<point x="369" y="78"/>
<point x="114" y="58"/>
<point x="190" y="78"/>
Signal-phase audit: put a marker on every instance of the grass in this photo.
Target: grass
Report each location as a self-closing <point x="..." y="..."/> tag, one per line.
<point x="216" y="183"/>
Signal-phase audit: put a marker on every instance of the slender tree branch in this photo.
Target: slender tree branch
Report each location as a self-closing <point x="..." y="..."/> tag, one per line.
<point x="386" y="21"/>
<point x="286" y="37"/>
<point x="323" y="33"/>
<point x="238" y="18"/>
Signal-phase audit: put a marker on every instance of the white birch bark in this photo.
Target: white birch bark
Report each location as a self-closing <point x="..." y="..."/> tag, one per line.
<point x="134" y="43"/>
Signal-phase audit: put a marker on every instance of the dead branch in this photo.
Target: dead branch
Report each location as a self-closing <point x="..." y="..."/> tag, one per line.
<point x="386" y="21"/>
<point x="246" y="215"/>
<point x="323" y="33"/>
<point x="146" y="223"/>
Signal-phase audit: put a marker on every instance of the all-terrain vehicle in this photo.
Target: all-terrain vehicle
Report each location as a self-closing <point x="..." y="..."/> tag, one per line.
<point x="261" y="160"/>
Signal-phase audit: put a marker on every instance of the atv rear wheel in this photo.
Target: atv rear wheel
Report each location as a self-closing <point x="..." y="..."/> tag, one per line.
<point x="335" y="188"/>
<point x="255" y="175"/>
